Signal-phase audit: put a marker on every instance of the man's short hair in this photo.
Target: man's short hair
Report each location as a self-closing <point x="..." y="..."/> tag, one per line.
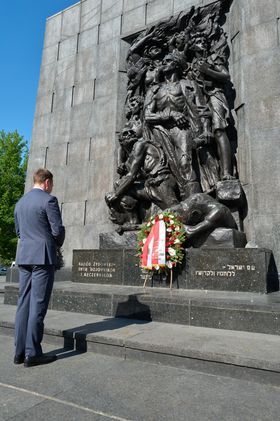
<point x="41" y="175"/>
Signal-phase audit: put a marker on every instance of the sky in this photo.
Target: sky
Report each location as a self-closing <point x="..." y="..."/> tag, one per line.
<point x="22" y="27"/>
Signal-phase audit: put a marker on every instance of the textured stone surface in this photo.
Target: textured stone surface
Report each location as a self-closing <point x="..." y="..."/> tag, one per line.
<point x="232" y="269"/>
<point x="253" y="33"/>
<point x="231" y="387"/>
<point x="114" y="240"/>
<point x="224" y="269"/>
<point x="250" y="312"/>
<point x="225" y="238"/>
<point x="100" y="266"/>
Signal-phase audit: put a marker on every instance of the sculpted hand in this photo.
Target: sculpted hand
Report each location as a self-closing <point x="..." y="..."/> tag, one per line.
<point x="111" y="198"/>
<point x="158" y="33"/>
<point x="189" y="231"/>
<point x="180" y="119"/>
<point x="200" y="141"/>
<point x="203" y="67"/>
<point x="121" y="170"/>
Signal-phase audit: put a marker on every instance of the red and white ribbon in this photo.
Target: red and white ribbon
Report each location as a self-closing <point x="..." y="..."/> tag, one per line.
<point x="153" y="253"/>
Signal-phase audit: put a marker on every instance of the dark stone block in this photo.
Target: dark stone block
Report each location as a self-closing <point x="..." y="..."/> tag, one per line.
<point x="132" y="273"/>
<point x="235" y="318"/>
<point x="63" y="275"/>
<point x="230" y="193"/>
<point x="131" y="307"/>
<point x="168" y="312"/>
<point x="229" y="269"/>
<point x="113" y="240"/>
<point x="225" y="238"/>
<point x="11" y="295"/>
<point x="82" y="303"/>
<point x="98" y="266"/>
<point x="250" y="270"/>
<point x="145" y="307"/>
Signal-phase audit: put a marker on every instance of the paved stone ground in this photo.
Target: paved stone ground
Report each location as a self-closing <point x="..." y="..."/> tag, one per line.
<point x="95" y="387"/>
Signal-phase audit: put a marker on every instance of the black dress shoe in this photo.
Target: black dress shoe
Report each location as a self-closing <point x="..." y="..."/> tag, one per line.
<point x="42" y="359"/>
<point x="19" y="359"/>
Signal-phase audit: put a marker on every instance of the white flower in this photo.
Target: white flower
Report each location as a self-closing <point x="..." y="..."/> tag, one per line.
<point x="169" y="264"/>
<point x="157" y="267"/>
<point x="177" y="228"/>
<point x="171" y="217"/>
<point x="171" y="251"/>
<point x="160" y="216"/>
<point x="169" y="229"/>
<point x="148" y="224"/>
<point x="144" y="240"/>
<point x="171" y="221"/>
<point x="153" y="221"/>
<point x="177" y="241"/>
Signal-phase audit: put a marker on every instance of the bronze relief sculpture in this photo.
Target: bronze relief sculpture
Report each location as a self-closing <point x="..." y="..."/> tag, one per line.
<point x="177" y="146"/>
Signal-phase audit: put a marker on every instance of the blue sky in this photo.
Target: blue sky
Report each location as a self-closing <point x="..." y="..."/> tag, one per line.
<point x="22" y="27"/>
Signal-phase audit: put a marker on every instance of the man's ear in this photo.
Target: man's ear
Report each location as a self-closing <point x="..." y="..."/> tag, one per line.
<point x="48" y="185"/>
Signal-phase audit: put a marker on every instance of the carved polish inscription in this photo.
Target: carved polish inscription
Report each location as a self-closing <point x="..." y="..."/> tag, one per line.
<point x="98" y="266"/>
<point x="96" y="269"/>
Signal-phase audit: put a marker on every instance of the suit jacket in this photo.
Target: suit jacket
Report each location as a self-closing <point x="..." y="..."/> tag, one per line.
<point x="39" y="226"/>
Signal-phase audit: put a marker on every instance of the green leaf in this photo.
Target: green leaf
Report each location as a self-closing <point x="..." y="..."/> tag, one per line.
<point x="13" y="164"/>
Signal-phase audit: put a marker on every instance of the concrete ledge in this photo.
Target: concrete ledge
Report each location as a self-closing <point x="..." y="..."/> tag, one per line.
<point x="249" y="312"/>
<point x="164" y="343"/>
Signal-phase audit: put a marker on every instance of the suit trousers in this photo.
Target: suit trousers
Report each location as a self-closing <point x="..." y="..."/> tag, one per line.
<point x="35" y="288"/>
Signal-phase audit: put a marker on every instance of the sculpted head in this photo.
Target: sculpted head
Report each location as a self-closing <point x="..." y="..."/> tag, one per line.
<point x="128" y="136"/>
<point x="171" y="64"/>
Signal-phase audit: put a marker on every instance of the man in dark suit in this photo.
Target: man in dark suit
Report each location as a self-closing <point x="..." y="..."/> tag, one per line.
<point x="39" y="227"/>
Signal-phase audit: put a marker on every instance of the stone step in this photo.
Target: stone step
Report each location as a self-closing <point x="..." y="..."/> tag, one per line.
<point x="250" y="312"/>
<point x="231" y="353"/>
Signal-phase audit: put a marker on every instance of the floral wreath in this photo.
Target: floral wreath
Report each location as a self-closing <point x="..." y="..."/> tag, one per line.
<point x="175" y="237"/>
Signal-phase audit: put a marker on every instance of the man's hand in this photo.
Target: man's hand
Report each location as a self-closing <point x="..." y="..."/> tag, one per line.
<point x="200" y="141"/>
<point x="203" y="67"/>
<point x="180" y="119"/>
<point x="111" y="198"/>
<point x="122" y="170"/>
<point x="189" y="231"/>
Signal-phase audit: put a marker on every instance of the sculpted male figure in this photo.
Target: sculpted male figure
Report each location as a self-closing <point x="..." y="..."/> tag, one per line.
<point x="202" y="214"/>
<point x="145" y="164"/>
<point x="173" y="118"/>
<point x="215" y="74"/>
<point x="39" y="226"/>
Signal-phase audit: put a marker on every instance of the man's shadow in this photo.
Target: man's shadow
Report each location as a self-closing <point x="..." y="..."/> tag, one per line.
<point x="125" y="314"/>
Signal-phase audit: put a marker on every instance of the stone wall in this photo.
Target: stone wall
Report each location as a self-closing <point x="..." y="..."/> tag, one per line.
<point x="80" y="108"/>
<point x="255" y="70"/>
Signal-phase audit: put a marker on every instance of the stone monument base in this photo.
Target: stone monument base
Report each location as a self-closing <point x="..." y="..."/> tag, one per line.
<point x="251" y="312"/>
<point x="239" y="270"/>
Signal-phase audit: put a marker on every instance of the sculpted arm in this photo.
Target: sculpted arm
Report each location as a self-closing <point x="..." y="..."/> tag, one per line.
<point x="219" y="72"/>
<point x="138" y="156"/>
<point x="211" y="221"/>
<point x="151" y="116"/>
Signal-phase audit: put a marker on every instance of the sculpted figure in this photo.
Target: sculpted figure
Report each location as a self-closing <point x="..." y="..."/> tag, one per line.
<point x="145" y="177"/>
<point x="212" y="73"/>
<point x="172" y="116"/>
<point x="175" y="144"/>
<point x="201" y="213"/>
<point x="134" y="113"/>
